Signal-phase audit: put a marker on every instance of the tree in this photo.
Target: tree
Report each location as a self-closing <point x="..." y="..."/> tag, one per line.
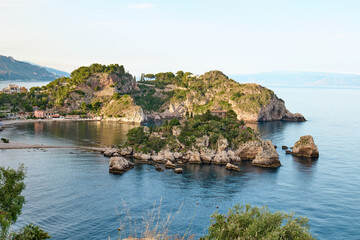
<point x="11" y="200"/>
<point x="246" y="222"/>
<point x="174" y="122"/>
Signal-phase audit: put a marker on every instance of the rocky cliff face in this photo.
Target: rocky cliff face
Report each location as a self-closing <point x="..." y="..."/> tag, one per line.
<point x="214" y="90"/>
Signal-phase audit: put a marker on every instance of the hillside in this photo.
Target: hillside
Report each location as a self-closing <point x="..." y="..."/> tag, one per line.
<point x="11" y="69"/>
<point x="112" y="93"/>
<point x="213" y="90"/>
<point x="301" y="79"/>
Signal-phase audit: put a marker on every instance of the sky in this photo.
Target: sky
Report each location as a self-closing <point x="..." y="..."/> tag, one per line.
<point x="150" y="36"/>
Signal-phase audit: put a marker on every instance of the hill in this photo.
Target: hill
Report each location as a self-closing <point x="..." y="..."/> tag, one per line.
<point x="112" y="93"/>
<point x="301" y="79"/>
<point x="11" y="69"/>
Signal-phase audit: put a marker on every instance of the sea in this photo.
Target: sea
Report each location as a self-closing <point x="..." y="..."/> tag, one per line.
<point x="71" y="195"/>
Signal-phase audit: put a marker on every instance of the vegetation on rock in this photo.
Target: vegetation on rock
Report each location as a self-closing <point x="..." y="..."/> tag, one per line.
<point x="158" y="138"/>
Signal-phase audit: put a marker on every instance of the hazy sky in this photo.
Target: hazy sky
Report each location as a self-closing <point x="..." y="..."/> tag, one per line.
<point x="236" y="37"/>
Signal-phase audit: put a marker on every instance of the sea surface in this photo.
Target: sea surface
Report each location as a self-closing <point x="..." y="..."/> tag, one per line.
<point x="72" y="196"/>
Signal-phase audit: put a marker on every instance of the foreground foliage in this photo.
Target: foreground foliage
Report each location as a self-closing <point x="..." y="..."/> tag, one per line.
<point x="246" y="222"/>
<point x="11" y="202"/>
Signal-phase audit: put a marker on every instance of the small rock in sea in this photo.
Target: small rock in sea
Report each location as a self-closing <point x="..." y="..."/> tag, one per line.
<point x="169" y="165"/>
<point x="178" y="170"/>
<point x="305" y="147"/>
<point x="230" y="166"/>
<point x="288" y="152"/>
<point x="119" y="165"/>
<point x="158" y="168"/>
<point x="284" y="147"/>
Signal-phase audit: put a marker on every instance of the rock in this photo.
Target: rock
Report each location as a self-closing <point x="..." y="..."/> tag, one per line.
<point x="159" y="159"/>
<point x="195" y="158"/>
<point x="305" y="147"/>
<point x="230" y="166"/>
<point x="178" y="170"/>
<point x="119" y="165"/>
<point x="202" y="142"/>
<point x="178" y="155"/>
<point x="221" y="158"/>
<point x="147" y="130"/>
<point x="233" y="157"/>
<point x="110" y="151"/>
<point x="288" y="152"/>
<point x="168" y="156"/>
<point x="169" y="165"/>
<point x="158" y="168"/>
<point x="222" y="144"/>
<point x="267" y="157"/>
<point x="126" y="151"/>
<point x="142" y="157"/>
<point x="176" y="131"/>
<point x="248" y="150"/>
<point x="284" y="147"/>
<point x="207" y="156"/>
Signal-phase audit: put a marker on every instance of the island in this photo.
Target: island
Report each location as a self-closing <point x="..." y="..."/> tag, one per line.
<point x="110" y="93"/>
<point x="201" y="139"/>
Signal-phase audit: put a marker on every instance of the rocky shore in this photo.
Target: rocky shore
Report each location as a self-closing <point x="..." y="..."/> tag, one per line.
<point x="260" y="153"/>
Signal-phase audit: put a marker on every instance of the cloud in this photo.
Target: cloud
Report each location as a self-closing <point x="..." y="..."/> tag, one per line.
<point x="141" y="6"/>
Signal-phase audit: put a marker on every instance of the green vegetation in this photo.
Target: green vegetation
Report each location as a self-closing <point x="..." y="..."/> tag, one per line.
<point x="30" y="232"/>
<point x="257" y="223"/>
<point x="11" y="200"/>
<point x="158" y="138"/>
<point x="11" y="203"/>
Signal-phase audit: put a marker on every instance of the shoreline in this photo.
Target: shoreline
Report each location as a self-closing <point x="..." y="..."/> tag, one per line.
<point x="18" y="145"/>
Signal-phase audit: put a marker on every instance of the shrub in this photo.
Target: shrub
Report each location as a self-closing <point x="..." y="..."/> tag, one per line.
<point x="174" y="122"/>
<point x="11" y="200"/>
<point x="246" y="222"/>
<point x="30" y="232"/>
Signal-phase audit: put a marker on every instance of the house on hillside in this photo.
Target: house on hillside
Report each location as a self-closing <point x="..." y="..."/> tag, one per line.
<point x="44" y="114"/>
<point x="11" y="89"/>
<point x="219" y="113"/>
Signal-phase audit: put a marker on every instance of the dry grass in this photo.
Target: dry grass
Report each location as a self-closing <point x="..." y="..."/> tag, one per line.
<point x="154" y="227"/>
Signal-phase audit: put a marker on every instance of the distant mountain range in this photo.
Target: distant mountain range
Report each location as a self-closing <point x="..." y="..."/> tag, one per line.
<point x="11" y="69"/>
<point x="301" y="79"/>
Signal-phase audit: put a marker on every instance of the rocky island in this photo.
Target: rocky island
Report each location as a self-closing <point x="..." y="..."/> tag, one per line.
<point x="201" y="139"/>
<point x="110" y="93"/>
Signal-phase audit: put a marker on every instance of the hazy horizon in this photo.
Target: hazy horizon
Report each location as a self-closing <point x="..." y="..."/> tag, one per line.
<point x="236" y="37"/>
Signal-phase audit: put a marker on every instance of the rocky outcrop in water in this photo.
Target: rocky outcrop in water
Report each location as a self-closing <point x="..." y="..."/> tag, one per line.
<point x="119" y="165"/>
<point x="305" y="147"/>
<point x="267" y="156"/>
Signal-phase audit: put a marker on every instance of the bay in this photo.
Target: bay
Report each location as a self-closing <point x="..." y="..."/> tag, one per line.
<point x="71" y="194"/>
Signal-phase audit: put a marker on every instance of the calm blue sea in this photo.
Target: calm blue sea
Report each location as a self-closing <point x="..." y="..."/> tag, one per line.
<point x="71" y="194"/>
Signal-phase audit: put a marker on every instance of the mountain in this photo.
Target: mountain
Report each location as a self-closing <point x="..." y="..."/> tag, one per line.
<point x="11" y="69"/>
<point x="301" y="79"/>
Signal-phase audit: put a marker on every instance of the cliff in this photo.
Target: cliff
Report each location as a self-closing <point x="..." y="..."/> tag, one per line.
<point x="112" y="93"/>
<point x="214" y="90"/>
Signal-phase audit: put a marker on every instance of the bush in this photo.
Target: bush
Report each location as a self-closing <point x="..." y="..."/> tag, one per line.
<point x="257" y="223"/>
<point x="11" y="200"/>
<point x="30" y="232"/>
<point x="174" y="122"/>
